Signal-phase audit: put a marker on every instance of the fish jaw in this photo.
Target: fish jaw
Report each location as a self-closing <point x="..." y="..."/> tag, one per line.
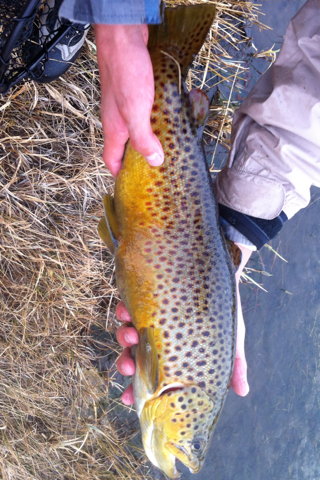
<point x="178" y="424"/>
<point x="154" y="441"/>
<point x="194" y="465"/>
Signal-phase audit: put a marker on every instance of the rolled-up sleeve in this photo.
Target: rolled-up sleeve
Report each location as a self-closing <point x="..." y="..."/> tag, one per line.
<point x="111" y="12"/>
<point x="275" y="154"/>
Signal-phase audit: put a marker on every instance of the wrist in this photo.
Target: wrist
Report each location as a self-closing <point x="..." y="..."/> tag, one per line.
<point x="111" y="39"/>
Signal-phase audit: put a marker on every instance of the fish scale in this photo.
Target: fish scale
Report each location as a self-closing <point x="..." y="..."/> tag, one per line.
<point x="173" y="270"/>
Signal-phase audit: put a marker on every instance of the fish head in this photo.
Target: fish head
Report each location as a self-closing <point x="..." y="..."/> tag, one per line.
<point x="178" y="424"/>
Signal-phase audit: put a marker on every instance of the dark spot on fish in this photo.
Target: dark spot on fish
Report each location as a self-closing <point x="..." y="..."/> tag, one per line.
<point x="202" y="385"/>
<point x="179" y="336"/>
<point x="201" y="363"/>
<point x="174" y="358"/>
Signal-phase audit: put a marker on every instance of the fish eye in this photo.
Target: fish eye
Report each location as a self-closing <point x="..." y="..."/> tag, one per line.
<point x="197" y="446"/>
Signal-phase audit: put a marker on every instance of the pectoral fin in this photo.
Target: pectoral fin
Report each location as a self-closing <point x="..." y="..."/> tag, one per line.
<point x="147" y="358"/>
<point x="104" y="234"/>
<point x="107" y="228"/>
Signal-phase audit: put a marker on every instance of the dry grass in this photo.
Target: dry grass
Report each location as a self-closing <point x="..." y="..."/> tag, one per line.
<point x="60" y="416"/>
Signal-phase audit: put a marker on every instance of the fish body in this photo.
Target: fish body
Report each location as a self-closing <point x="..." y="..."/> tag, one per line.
<point x="173" y="271"/>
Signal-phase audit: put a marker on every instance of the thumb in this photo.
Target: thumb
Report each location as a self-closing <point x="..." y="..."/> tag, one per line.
<point x="145" y="142"/>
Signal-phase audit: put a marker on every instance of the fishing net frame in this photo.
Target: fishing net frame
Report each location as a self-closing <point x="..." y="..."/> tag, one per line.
<point x="19" y="61"/>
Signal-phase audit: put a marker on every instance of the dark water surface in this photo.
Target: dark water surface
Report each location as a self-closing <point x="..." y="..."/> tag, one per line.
<point x="274" y="432"/>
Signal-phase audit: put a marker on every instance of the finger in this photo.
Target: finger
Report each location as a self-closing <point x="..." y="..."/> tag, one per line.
<point x="127" y="336"/>
<point x="125" y="363"/>
<point x="127" y="397"/>
<point x="122" y="313"/>
<point x="115" y="134"/>
<point x="144" y="141"/>
<point x="135" y="106"/>
<point x="239" y="380"/>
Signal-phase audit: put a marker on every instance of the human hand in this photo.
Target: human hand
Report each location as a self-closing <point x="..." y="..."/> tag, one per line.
<point x="127" y="93"/>
<point x="127" y="336"/>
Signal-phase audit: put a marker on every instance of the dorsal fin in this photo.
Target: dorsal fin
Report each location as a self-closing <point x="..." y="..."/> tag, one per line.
<point x="182" y="32"/>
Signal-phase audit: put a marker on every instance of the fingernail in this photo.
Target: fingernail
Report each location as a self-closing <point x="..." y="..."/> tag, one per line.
<point x="128" y="338"/>
<point x="155" y="159"/>
<point x="124" y="315"/>
<point x="127" y="369"/>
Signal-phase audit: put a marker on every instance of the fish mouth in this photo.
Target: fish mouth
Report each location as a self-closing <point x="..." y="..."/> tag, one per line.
<point x="181" y="453"/>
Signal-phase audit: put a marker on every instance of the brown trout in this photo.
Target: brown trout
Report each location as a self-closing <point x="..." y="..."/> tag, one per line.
<point x="173" y="271"/>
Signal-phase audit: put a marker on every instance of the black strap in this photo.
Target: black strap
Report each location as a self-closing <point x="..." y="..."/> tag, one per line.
<point x="258" y="230"/>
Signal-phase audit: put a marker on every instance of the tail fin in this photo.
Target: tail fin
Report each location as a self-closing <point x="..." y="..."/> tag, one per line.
<point x="182" y="32"/>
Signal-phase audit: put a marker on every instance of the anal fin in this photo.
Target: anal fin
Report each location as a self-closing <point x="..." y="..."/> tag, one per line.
<point x="200" y="105"/>
<point x="234" y="252"/>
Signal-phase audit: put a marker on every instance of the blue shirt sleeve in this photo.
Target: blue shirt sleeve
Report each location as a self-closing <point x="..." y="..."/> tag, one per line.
<point x="111" y="12"/>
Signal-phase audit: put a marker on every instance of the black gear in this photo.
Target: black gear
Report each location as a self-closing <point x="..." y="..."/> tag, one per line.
<point x="61" y="57"/>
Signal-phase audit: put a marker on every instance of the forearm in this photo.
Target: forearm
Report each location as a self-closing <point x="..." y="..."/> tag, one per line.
<point x="275" y="155"/>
